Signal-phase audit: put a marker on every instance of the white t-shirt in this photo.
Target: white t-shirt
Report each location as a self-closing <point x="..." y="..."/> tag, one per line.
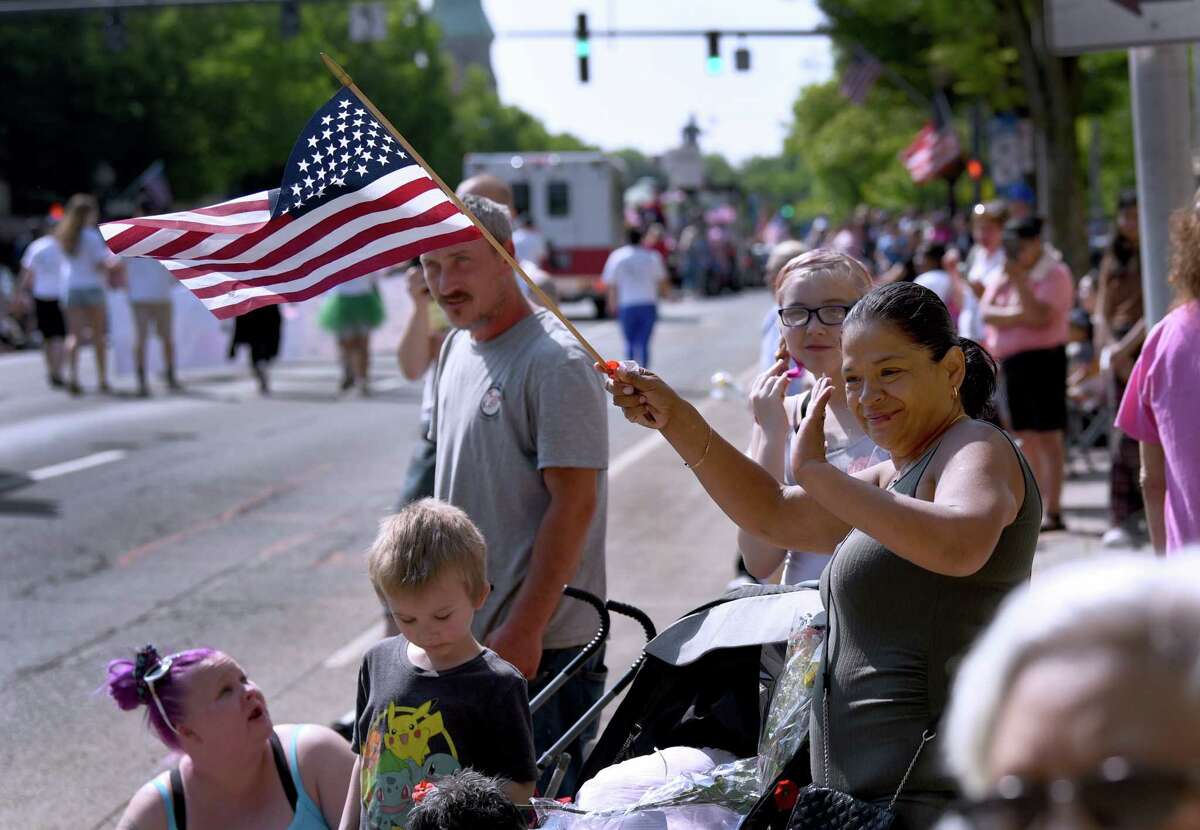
<point x="529" y="244"/>
<point x="149" y="280"/>
<point x="967" y="323"/>
<point x="45" y="258"/>
<point x="84" y="269"/>
<point x="636" y="272"/>
<point x="983" y="267"/>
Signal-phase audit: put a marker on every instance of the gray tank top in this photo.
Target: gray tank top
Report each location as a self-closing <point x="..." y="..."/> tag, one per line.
<point x="896" y="635"/>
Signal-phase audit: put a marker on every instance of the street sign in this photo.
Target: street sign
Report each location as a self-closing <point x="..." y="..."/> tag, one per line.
<point x="368" y="22"/>
<point x="1077" y="26"/>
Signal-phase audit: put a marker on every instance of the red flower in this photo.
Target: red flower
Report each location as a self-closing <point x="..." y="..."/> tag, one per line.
<point x="421" y="790"/>
<point x="786" y="793"/>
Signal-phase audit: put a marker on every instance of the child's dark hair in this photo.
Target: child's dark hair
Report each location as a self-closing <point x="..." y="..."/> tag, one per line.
<point x="466" y="800"/>
<point x="921" y="316"/>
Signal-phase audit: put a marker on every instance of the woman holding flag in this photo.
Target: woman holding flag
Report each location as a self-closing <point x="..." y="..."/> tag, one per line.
<point x="926" y="543"/>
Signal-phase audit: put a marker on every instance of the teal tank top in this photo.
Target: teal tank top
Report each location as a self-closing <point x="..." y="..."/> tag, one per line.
<point x="307" y="815"/>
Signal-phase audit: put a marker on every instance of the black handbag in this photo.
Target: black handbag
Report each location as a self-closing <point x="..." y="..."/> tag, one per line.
<point x="824" y="808"/>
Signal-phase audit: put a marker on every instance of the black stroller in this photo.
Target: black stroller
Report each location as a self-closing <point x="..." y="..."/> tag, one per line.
<point x="706" y="681"/>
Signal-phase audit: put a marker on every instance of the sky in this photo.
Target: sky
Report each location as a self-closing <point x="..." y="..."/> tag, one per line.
<point x="643" y="90"/>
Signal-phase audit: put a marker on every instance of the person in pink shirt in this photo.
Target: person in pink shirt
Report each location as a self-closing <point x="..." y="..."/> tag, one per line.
<point x="1162" y="398"/>
<point x="1026" y="326"/>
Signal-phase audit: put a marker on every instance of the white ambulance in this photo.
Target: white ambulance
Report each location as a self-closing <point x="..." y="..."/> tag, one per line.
<point x="575" y="200"/>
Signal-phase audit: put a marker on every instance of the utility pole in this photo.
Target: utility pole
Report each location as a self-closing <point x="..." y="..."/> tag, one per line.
<point x="1162" y="127"/>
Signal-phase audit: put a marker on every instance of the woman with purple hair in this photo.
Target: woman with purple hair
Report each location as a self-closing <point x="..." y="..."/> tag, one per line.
<point x="237" y="769"/>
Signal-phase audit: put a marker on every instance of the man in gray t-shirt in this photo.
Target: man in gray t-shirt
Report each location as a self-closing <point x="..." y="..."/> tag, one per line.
<point x="522" y="446"/>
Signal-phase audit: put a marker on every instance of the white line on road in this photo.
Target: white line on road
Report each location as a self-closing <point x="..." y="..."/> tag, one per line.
<point x="353" y="651"/>
<point x="75" y="465"/>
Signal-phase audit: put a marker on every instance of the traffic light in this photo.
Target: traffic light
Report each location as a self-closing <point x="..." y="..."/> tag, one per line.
<point x="975" y="169"/>
<point x="714" y="53"/>
<point x="741" y="58"/>
<point x="583" y="48"/>
<point x="289" y="19"/>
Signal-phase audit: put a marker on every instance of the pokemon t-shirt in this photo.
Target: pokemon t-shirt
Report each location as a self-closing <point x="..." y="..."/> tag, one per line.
<point x="414" y="726"/>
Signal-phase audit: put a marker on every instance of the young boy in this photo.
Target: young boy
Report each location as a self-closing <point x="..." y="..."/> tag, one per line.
<point x="433" y="700"/>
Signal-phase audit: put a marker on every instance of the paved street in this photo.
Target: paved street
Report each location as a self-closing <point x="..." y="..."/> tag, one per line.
<point x="217" y="517"/>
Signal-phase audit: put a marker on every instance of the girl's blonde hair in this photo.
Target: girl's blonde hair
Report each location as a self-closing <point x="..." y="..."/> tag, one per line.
<point x="81" y="211"/>
<point x="824" y="262"/>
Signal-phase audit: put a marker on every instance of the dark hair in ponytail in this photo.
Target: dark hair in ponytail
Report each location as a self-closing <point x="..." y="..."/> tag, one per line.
<point x="923" y="318"/>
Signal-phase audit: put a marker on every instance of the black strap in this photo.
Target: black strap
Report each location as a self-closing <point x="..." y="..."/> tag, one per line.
<point x="178" y="807"/>
<point x="285" y="774"/>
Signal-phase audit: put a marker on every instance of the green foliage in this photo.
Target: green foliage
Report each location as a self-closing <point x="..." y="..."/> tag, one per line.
<point x="219" y="96"/>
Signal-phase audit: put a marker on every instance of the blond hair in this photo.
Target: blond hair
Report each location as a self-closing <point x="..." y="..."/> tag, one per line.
<point x="825" y="262"/>
<point x="419" y="543"/>
<point x="81" y="210"/>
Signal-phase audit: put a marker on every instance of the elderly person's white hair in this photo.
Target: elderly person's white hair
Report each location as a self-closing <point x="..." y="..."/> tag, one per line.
<point x="1148" y="609"/>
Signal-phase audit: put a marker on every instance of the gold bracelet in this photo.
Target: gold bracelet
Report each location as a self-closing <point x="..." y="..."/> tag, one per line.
<point x="704" y="455"/>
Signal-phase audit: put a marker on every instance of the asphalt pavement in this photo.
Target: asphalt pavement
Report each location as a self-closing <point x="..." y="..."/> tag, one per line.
<point x="218" y="517"/>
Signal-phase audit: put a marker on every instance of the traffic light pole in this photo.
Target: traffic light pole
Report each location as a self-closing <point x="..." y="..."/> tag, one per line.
<point x="1162" y="143"/>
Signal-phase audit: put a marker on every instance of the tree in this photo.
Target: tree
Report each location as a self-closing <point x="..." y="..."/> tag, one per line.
<point x="219" y="96"/>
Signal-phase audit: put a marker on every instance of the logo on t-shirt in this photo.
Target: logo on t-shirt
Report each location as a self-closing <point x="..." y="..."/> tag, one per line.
<point x="490" y="404"/>
<point x="404" y="747"/>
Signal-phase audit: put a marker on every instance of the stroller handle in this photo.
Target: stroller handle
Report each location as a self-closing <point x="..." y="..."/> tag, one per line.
<point x="643" y="619"/>
<point x="598" y="639"/>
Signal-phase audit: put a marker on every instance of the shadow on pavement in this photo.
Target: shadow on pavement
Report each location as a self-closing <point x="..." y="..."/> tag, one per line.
<point x="37" y="508"/>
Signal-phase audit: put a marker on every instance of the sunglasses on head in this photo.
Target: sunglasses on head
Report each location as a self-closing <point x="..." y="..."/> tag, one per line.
<point x="1119" y="796"/>
<point x="161" y="670"/>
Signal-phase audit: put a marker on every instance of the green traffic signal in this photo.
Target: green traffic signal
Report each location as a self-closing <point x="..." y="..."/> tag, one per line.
<point x="715" y="65"/>
<point x="582" y="48"/>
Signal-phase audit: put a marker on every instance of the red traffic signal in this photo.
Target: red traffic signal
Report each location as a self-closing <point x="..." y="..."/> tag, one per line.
<point x="975" y="169"/>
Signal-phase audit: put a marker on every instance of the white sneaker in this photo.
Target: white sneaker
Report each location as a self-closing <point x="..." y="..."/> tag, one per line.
<point x="1117" y="537"/>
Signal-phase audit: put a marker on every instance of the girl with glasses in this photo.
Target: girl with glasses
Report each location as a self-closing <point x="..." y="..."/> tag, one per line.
<point x="815" y="291"/>
<point x="236" y="769"/>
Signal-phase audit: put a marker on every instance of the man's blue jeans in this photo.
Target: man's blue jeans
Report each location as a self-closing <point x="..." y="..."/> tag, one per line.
<point x="564" y="708"/>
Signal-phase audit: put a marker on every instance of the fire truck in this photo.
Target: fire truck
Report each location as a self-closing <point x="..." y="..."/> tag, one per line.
<point x="575" y="200"/>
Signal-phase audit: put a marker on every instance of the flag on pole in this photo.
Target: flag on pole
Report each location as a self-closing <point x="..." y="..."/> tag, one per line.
<point x="860" y="76"/>
<point x="931" y="152"/>
<point x="352" y="202"/>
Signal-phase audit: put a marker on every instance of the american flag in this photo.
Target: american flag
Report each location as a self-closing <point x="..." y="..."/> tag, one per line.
<point x="932" y="151"/>
<point x="860" y="76"/>
<point x="352" y="202"/>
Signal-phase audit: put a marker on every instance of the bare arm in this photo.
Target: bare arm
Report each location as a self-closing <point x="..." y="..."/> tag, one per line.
<point x="1029" y="311"/>
<point x="956" y="532"/>
<point x="352" y="812"/>
<point x="419" y="344"/>
<point x="557" y="551"/>
<point x="1154" y="490"/>
<point x="145" y="811"/>
<point x="786" y="517"/>
<point x="768" y="449"/>
<point x="326" y="761"/>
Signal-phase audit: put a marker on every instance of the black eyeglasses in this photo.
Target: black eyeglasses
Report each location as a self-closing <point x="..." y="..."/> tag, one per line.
<point x="797" y="316"/>
<point x="1120" y="796"/>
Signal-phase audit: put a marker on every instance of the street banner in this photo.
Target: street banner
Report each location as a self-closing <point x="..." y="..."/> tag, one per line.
<point x="352" y="202"/>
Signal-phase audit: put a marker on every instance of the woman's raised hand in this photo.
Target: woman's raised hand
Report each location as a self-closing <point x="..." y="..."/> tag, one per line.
<point x="766" y="399"/>
<point x="645" y="397"/>
<point x="809" y="446"/>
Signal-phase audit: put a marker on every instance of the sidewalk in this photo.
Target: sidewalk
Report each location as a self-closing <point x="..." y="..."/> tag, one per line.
<point x="1085" y="512"/>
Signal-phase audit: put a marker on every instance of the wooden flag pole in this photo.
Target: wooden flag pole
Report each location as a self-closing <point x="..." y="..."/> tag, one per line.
<point x="545" y="299"/>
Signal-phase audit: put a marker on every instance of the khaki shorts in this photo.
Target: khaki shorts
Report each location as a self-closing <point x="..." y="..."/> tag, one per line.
<point x="158" y="314"/>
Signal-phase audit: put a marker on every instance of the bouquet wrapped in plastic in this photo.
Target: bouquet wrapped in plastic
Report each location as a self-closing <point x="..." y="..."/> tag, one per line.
<point x="716" y="798"/>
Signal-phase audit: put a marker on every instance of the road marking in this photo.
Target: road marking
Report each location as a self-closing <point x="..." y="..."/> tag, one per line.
<point x="74" y="466"/>
<point x="353" y="651"/>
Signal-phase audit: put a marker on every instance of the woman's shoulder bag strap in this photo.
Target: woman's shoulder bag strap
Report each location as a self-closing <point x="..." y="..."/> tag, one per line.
<point x="178" y="807"/>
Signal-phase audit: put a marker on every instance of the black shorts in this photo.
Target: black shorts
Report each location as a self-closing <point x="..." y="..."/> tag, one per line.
<point x="1036" y="385"/>
<point x="50" y="319"/>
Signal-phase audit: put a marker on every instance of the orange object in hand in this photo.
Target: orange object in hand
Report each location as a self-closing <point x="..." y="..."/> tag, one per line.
<point x="611" y="367"/>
